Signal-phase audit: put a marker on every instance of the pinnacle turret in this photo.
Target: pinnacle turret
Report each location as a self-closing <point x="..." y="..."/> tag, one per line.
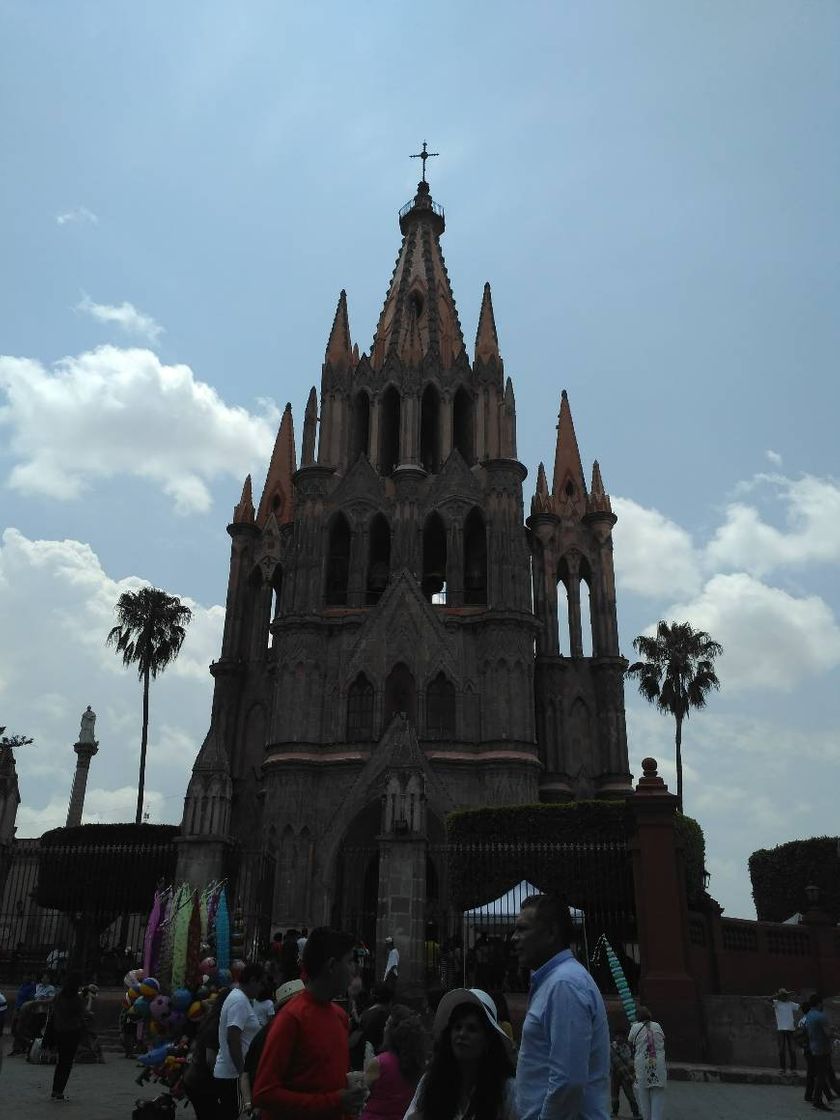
<point x="599" y="499"/>
<point x="278" y="492"/>
<point x="310" y="421"/>
<point x="339" y="353"/>
<point x="486" y="338"/>
<point x="243" y="511"/>
<point x="568" y="484"/>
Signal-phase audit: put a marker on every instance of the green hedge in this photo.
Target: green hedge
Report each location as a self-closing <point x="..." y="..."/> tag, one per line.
<point x="780" y="875"/>
<point x="104" y="868"/>
<point x="484" y="862"/>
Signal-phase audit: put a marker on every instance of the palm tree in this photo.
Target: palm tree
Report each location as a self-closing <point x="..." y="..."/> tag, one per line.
<point x="150" y="632"/>
<point x="676" y="674"/>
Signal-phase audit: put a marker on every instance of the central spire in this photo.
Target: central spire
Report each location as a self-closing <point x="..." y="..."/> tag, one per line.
<point x="419" y="300"/>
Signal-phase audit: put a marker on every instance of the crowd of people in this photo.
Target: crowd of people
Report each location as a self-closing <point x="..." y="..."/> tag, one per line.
<point x="311" y="1032"/>
<point x="337" y="1042"/>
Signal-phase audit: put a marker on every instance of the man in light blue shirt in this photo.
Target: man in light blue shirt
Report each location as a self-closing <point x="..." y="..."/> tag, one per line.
<point x="563" y="1070"/>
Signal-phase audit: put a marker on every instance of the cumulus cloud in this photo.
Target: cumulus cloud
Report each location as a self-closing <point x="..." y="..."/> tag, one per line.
<point x="124" y="315"/>
<point x="79" y="215"/>
<point x="652" y="552"/>
<point x="112" y="411"/>
<point x="809" y="509"/>
<point x="57" y="605"/>
<point x="773" y="457"/>
<point x="771" y="639"/>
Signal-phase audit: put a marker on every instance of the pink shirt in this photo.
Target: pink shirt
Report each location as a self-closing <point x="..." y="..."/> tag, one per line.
<point x="390" y="1094"/>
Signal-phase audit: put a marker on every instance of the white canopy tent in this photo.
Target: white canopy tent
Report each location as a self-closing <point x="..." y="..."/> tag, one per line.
<point x="503" y="910"/>
<point x="501" y="913"/>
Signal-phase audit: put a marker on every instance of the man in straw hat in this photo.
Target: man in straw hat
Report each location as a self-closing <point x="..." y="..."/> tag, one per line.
<point x="784" y="1007"/>
<point x="564" y="1059"/>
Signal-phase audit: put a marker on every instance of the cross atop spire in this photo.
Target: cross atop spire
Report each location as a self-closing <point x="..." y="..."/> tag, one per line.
<point x="424" y="155"/>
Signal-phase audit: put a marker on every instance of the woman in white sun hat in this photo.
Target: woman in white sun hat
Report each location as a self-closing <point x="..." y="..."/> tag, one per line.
<point x="471" y="1074"/>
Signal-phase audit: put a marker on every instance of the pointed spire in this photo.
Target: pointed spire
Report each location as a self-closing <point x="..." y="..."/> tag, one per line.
<point x="569" y="483"/>
<point x="310" y="421"/>
<point x="339" y="348"/>
<point x="599" y="499"/>
<point x="278" y="493"/>
<point x="509" y="426"/>
<point x="542" y="481"/>
<point x="420" y="283"/>
<point x="243" y="512"/>
<point x="486" y="339"/>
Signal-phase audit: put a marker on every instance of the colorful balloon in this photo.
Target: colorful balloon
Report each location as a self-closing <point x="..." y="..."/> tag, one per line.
<point x="195" y="1011"/>
<point x="160" y="1008"/>
<point x="181" y="999"/>
<point x="149" y="987"/>
<point x="140" y="1008"/>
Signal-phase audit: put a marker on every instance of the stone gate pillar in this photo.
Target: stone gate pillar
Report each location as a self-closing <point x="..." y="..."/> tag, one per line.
<point x="401" y="910"/>
<point x="666" y="985"/>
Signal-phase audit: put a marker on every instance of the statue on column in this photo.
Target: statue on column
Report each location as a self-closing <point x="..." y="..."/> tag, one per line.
<point x="86" y="732"/>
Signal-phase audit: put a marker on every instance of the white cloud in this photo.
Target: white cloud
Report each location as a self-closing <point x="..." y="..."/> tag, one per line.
<point x="57" y="605"/>
<point x="111" y="412"/>
<point x="653" y="553"/>
<point x="773" y="457"/>
<point x="78" y="215"/>
<point x="810" y="510"/>
<point x="125" y="316"/>
<point x="102" y="806"/>
<point x="771" y="639"/>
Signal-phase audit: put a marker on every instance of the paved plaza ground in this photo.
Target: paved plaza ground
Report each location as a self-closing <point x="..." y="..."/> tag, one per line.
<point x="108" y="1092"/>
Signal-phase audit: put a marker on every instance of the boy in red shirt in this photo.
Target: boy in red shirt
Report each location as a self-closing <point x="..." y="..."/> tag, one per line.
<point x="302" y="1073"/>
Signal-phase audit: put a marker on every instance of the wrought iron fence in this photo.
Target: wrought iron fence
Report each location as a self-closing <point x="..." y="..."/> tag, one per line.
<point x="76" y="904"/>
<point x="475" y="890"/>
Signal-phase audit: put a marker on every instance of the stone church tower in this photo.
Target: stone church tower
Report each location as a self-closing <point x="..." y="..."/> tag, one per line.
<point x="391" y="647"/>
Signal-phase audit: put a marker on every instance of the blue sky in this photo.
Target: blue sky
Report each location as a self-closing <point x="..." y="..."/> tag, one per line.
<point x="650" y="189"/>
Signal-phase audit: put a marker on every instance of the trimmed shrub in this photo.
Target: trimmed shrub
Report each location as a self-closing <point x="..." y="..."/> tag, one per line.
<point x="780" y="875"/>
<point x="104" y="868"/>
<point x="484" y="860"/>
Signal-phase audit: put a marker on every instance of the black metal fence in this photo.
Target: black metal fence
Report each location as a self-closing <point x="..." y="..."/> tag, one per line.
<point x="474" y="891"/>
<point x="78" y="905"/>
<point x="87" y="906"/>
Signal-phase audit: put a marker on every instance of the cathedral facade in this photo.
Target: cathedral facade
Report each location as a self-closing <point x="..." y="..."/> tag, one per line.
<point x="392" y="647"/>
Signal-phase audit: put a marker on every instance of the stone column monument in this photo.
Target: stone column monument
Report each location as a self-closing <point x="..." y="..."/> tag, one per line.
<point x="85" y="749"/>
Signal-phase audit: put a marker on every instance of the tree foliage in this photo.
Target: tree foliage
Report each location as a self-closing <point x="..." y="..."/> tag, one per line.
<point x="780" y="875"/>
<point x="101" y="870"/>
<point x="492" y="849"/>
<point x="151" y="627"/>
<point x="676" y="673"/>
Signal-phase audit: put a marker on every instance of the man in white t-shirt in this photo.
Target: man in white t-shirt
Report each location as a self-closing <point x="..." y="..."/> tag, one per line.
<point x="238" y="1024"/>
<point x="392" y="965"/>
<point x="784" y="1006"/>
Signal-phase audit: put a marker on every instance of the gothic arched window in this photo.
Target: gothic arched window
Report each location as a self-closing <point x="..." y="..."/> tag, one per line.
<point x="440" y="708"/>
<point x="434" y="557"/>
<point x="360" y="710"/>
<point x="430" y="429"/>
<point x="462" y="425"/>
<point x="338" y="562"/>
<point x="360" y="426"/>
<point x="400" y="694"/>
<point x="389" y="431"/>
<point x="475" y="560"/>
<point x="379" y="558"/>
